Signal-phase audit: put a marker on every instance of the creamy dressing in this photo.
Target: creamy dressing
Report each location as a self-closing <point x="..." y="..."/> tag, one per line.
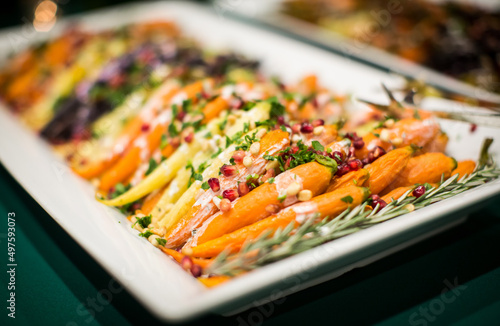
<point x="304" y="211"/>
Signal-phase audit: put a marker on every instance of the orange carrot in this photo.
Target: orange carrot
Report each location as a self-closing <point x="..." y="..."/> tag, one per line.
<point x="272" y="142"/>
<point x="123" y="142"/>
<point x="396" y="193"/>
<point x="213" y="280"/>
<point x="213" y="108"/>
<point x="353" y="178"/>
<point x="132" y="159"/>
<point x="308" y="85"/>
<point x="464" y="167"/>
<point x="426" y="168"/>
<point x="387" y="168"/>
<point x="151" y="200"/>
<point x="438" y="144"/>
<point x="330" y="204"/>
<point x="260" y="202"/>
<point x="204" y="263"/>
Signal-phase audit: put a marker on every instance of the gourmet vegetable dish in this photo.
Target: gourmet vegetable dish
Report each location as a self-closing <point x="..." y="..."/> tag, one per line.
<point x="455" y="38"/>
<point x="221" y="167"/>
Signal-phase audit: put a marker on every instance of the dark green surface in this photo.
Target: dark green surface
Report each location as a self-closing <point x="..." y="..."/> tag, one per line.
<point x="57" y="283"/>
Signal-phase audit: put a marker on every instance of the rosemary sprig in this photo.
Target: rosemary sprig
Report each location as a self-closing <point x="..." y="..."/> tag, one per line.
<point x="290" y="241"/>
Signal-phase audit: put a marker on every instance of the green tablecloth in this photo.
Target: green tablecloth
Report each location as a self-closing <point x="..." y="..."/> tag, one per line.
<point x="57" y="283"/>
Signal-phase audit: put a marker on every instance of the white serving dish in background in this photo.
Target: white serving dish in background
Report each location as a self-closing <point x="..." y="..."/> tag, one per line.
<point x="267" y="12"/>
<point x="149" y="275"/>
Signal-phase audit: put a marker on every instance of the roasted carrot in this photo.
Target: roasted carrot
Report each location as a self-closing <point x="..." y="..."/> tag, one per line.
<point x="405" y="132"/>
<point x="213" y="108"/>
<point x="260" y="202"/>
<point x="353" y="178"/>
<point x="410" y="131"/>
<point x="426" y="168"/>
<point x="271" y="143"/>
<point x="130" y="162"/>
<point x="464" y="168"/>
<point x="308" y="85"/>
<point x="371" y="142"/>
<point x="329" y="204"/>
<point x="438" y="144"/>
<point x="213" y="280"/>
<point x="204" y="263"/>
<point x="387" y="168"/>
<point x="151" y="200"/>
<point x="398" y="192"/>
<point x="127" y="136"/>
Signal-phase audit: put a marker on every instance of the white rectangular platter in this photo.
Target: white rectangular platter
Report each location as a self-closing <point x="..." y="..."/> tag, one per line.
<point x="149" y="275"/>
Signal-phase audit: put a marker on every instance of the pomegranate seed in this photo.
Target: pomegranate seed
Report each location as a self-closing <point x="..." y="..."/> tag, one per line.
<point x="296" y="128"/>
<point x="378" y="151"/>
<point x="181" y="115"/>
<point x="419" y="191"/>
<point x="230" y="194"/>
<point x="352" y="136"/>
<point x="214" y="184"/>
<point x="238" y="156"/>
<point x="342" y="169"/>
<point x="272" y="208"/>
<point x="370" y="157"/>
<point x="196" y="270"/>
<point x="365" y="161"/>
<point x="145" y="127"/>
<point x="205" y="95"/>
<point x="287" y="163"/>
<point x="358" y="143"/>
<point x="189" y="137"/>
<point x="280" y="120"/>
<point x="337" y="156"/>
<point x="355" y="165"/>
<point x="243" y="189"/>
<point x="228" y="170"/>
<point x="225" y="205"/>
<point x="294" y="149"/>
<point x="473" y="127"/>
<point x="318" y="122"/>
<point x="186" y="262"/>
<point x="376" y="200"/>
<point x="306" y="128"/>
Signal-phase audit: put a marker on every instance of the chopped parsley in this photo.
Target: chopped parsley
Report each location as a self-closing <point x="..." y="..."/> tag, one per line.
<point x="277" y="109"/>
<point x="164" y="141"/>
<point x="146" y="234"/>
<point x="205" y="185"/>
<point x="347" y="199"/>
<point x="161" y="242"/>
<point x="317" y="146"/>
<point x="152" y="166"/>
<point x="247" y="141"/>
<point x="270" y="180"/>
<point x="143" y="221"/>
<point x="290" y="158"/>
